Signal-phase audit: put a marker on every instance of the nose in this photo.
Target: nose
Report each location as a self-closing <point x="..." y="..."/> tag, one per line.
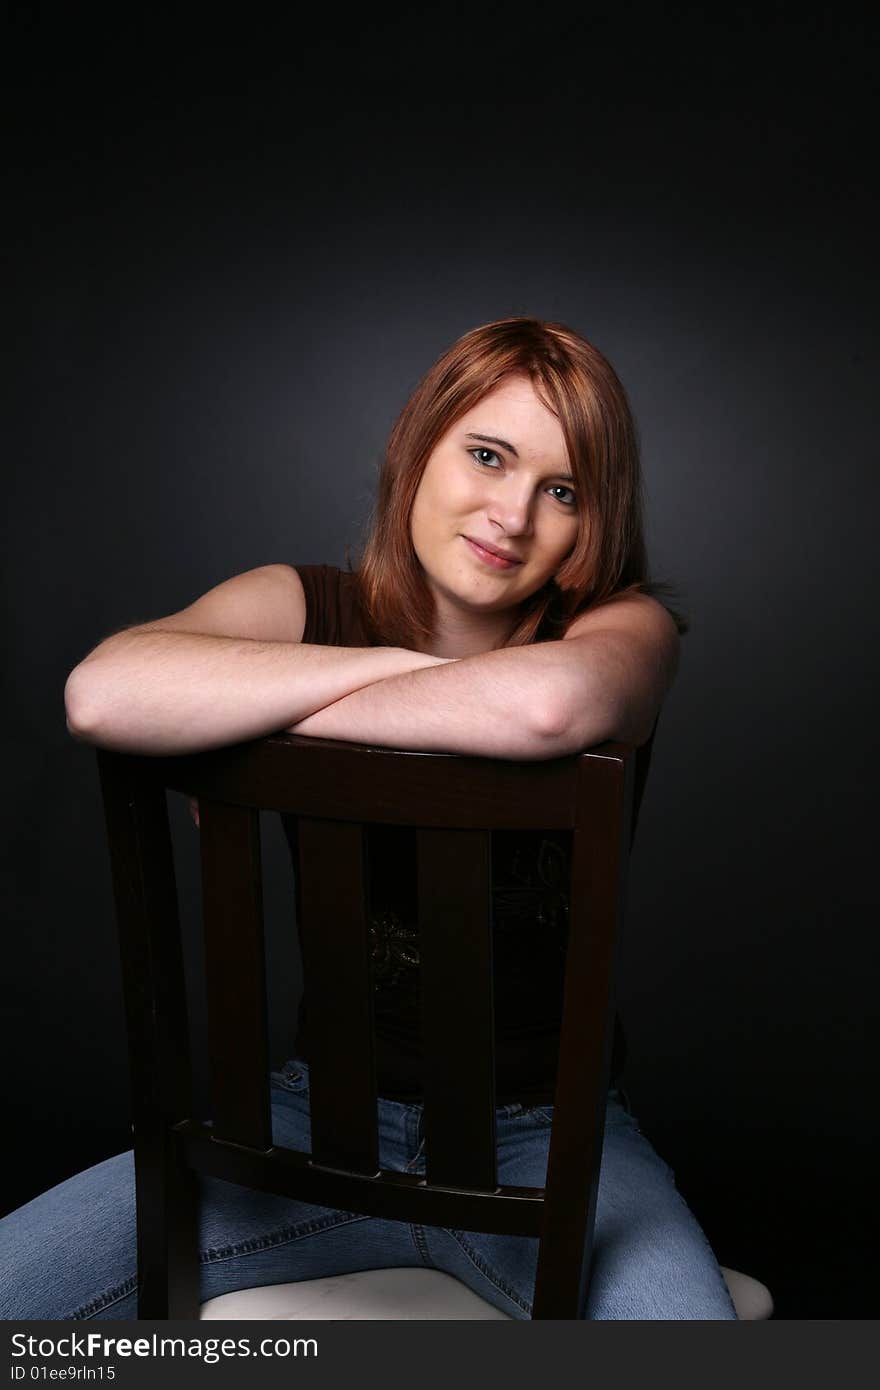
<point x="510" y="507"/>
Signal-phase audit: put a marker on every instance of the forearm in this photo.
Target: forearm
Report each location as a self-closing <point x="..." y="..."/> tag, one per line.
<point x="181" y="692"/>
<point x="498" y="704"/>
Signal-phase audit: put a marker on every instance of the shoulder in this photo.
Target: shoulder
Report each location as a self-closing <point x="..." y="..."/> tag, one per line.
<point x="265" y="604"/>
<point x="630" y="613"/>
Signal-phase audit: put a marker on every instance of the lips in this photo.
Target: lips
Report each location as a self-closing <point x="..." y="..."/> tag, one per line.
<point x="491" y="555"/>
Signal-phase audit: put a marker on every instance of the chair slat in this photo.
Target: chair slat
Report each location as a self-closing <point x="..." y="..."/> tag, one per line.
<point x="599" y="856"/>
<point x="455" y="984"/>
<point x="232" y="905"/>
<point x="336" y="973"/>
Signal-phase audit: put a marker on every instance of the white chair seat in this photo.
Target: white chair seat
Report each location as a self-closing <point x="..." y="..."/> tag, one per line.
<point x="393" y="1295"/>
<point x="751" y="1299"/>
<point x="368" y="1295"/>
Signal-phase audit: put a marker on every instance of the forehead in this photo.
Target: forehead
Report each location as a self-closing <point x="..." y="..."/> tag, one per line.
<point x="515" y="412"/>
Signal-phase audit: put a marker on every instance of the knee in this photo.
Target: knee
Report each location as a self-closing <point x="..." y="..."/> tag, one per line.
<point x="71" y="1252"/>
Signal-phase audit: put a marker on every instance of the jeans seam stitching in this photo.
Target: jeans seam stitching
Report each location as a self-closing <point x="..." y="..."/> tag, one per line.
<point x="218" y="1255"/>
<point x="97" y="1305"/>
<point x="287" y="1235"/>
<point x="419" y="1240"/>
<point x="484" y="1269"/>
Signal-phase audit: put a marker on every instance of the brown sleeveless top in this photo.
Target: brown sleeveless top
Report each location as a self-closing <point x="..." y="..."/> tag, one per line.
<point x="530" y="877"/>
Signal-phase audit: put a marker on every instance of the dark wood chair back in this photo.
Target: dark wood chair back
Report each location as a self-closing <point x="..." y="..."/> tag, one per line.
<point x="333" y="791"/>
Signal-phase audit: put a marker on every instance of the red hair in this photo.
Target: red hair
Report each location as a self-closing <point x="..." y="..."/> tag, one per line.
<point x="582" y="390"/>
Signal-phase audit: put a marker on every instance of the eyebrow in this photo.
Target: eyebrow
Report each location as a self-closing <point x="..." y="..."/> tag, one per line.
<point x="493" y="439"/>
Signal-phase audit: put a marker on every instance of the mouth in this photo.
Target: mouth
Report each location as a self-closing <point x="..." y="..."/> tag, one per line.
<point x="492" y="556"/>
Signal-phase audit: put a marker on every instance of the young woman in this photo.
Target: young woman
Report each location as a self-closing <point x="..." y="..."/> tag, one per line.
<point x="501" y="608"/>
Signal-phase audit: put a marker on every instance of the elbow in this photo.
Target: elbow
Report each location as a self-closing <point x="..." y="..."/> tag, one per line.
<point x="565" y="726"/>
<point x="79" y="706"/>
<point x="551" y="718"/>
<point x="556" y="728"/>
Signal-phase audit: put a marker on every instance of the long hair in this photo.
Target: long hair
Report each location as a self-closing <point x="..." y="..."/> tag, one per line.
<point x="581" y="388"/>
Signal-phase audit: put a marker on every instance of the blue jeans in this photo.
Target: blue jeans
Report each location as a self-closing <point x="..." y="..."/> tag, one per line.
<point x="70" y="1253"/>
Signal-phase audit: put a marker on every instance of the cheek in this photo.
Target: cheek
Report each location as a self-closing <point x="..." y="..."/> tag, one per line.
<point x="423" y="504"/>
<point x="563" y="539"/>
<point x="442" y="499"/>
<point x="417" y="532"/>
<point x="425" y="524"/>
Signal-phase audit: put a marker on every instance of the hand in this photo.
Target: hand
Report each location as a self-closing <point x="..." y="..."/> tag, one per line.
<point x="194" y="809"/>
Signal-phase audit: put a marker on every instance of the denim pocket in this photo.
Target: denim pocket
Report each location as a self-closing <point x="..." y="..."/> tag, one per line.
<point x="540" y="1114"/>
<point x="617" y="1111"/>
<point x="293" y="1076"/>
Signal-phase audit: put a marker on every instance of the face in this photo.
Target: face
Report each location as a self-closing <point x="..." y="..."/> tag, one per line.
<point x="495" y="513"/>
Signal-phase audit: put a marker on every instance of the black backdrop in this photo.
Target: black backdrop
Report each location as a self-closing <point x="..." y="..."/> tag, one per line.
<point x="234" y="253"/>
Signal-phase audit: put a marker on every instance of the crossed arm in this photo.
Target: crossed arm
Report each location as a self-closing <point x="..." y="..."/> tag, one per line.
<point x="605" y="679"/>
<point x="181" y="684"/>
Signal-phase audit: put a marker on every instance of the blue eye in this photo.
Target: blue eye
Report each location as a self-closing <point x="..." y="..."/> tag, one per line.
<point x="570" y="500"/>
<point x="485" y="462"/>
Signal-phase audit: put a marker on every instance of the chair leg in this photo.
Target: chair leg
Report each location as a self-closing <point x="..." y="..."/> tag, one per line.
<point x="168" y="1250"/>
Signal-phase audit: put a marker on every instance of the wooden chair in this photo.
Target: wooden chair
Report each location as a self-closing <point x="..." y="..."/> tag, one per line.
<point x="333" y="790"/>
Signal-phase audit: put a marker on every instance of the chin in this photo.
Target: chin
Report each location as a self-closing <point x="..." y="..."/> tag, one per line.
<point x="497" y="604"/>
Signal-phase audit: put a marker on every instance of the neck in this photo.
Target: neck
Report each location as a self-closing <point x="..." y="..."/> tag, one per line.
<point x="458" y="633"/>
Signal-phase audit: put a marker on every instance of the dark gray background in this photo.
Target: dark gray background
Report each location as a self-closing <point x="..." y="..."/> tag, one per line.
<point x="234" y="254"/>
